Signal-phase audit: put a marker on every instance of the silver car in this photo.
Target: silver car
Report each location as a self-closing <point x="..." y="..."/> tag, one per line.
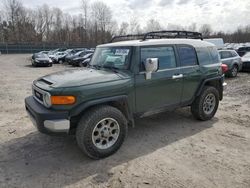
<point x="232" y="60"/>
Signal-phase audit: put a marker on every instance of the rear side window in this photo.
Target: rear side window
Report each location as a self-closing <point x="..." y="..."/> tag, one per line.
<point x="214" y="55"/>
<point x="225" y="54"/>
<point x="234" y="53"/>
<point x="187" y="56"/>
<point x="165" y="55"/>
<point x="204" y="56"/>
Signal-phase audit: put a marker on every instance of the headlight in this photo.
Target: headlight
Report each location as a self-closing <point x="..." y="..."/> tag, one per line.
<point x="36" y="61"/>
<point x="50" y="60"/>
<point x="47" y="100"/>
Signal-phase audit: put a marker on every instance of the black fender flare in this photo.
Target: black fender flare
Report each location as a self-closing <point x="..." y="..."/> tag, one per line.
<point x="220" y="80"/>
<point x="120" y="99"/>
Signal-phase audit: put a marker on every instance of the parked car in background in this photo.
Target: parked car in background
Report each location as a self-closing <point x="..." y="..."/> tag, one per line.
<point x="40" y="59"/>
<point x="246" y="62"/>
<point x="85" y="63"/>
<point x="243" y="50"/>
<point x="44" y="52"/>
<point x="78" y="60"/>
<point x="71" y="56"/>
<point x="59" y="57"/>
<point x="77" y="55"/>
<point x="232" y="60"/>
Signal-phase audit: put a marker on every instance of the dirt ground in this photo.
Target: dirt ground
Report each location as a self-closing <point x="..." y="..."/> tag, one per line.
<point x="166" y="150"/>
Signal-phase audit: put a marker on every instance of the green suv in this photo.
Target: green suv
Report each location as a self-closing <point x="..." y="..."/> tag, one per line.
<point x="124" y="80"/>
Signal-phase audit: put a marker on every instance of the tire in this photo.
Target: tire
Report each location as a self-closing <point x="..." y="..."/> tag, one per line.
<point x="81" y="64"/>
<point x="88" y="125"/>
<point x="203" y="110"/>
<point x="234" y="71"/>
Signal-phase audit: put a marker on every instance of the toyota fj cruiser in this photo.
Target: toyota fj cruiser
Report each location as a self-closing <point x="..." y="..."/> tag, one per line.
<point x="127" y="79"/>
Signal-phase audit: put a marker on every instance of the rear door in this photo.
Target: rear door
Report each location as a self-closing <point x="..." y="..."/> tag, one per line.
<point x="164" y="87"/>
<point x="190" y="70"/>
<point x="226" y="58"/>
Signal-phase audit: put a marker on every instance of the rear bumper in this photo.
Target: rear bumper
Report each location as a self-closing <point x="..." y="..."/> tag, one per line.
<point x="47" y="120"/>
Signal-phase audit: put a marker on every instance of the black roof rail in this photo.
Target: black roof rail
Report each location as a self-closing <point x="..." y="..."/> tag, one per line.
<point x="160" y="35"/>
<point x="127" y="36"/>
<point x="173" y="34"/>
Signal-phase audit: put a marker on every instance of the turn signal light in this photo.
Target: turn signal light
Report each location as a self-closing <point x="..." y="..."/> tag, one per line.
<point x="62" y="100"/>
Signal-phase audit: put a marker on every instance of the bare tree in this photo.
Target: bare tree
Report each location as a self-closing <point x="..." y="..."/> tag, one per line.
<point x="153" y="25"/>
<point x="85" y="10"/>
<point x="192" y="27"/>
<point x="134" y="26"/>
<point x="123" y="30"/>
<point x="102" y="18"/>
<point x="206" y="30"/>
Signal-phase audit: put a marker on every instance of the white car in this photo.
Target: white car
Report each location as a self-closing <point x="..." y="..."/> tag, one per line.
<point x="246" y="62"/>
<point x="58" y="57"/>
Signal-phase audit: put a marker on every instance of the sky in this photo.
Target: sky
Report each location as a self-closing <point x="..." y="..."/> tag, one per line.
<point x="222" y="15"/>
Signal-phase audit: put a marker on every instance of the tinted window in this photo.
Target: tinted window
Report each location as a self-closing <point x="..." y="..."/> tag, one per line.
<point x="204" y="56"/>
<point x="214" y="55"/>
<point x="225" y="54"/>
<point x="165" y="55"/>
<point x="187" y="56"/>
<point x="234" y="54"/>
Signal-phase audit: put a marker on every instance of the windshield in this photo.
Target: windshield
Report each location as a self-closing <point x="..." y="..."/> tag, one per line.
<point x="111" y="57"/>
<point x="41" y="55"/>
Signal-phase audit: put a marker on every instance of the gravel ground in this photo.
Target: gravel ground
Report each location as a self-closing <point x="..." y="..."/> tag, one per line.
<point x="166" y="150"/>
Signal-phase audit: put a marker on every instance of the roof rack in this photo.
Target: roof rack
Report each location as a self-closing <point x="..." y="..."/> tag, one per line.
<point x="127" y="37"/>
<point x="160" y="35"/>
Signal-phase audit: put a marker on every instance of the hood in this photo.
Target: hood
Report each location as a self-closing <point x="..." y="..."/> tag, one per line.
<point x="78" y="58"/>
<point x="78" y="77"/>
<point x="42" y="59"/>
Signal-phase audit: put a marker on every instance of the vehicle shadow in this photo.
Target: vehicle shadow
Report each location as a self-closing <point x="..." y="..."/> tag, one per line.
<point x="38" y="160"/>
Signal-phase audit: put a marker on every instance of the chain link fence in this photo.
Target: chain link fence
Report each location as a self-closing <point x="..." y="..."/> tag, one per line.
<point x="22" y="48"/>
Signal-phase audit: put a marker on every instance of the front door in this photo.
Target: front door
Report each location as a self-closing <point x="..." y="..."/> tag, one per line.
<point x="165" y="86"/>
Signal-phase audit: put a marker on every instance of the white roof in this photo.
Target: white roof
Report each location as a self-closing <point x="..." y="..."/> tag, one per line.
<point x="192" y="42"/>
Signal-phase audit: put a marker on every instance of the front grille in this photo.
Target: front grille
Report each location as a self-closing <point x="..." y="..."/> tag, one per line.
<point x="38" y="94"/>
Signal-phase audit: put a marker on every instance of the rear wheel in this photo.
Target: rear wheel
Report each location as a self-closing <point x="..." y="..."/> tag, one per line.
<point x="101" y="131"/>
<point x="234" y="71"/>
<point x="205" y="106"/>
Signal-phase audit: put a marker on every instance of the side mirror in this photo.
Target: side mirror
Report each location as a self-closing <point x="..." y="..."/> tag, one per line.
<point x="151" y="65"/>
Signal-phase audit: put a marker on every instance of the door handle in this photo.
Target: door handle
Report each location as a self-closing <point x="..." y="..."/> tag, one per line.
<point x="177" y="76"/>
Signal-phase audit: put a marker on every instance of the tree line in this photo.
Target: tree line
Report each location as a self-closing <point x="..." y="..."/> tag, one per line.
<point x="94" y="25"/>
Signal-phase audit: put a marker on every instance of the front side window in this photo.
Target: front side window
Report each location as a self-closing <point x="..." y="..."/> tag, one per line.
<point x="111" y="57"/>
<point x="187" y="56"/>
<point x="165" y="55"/>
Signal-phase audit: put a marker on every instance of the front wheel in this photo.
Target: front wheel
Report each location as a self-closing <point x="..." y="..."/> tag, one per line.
<point x="205" y="106"/>
<point x="101" y="131"/>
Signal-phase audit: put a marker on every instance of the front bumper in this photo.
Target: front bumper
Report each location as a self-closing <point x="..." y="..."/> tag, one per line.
<point x="47" y="120"/>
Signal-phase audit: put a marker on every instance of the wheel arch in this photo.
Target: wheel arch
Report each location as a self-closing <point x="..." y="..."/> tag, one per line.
<point x="119" y="102"/>
<point x="216" y="82"/>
